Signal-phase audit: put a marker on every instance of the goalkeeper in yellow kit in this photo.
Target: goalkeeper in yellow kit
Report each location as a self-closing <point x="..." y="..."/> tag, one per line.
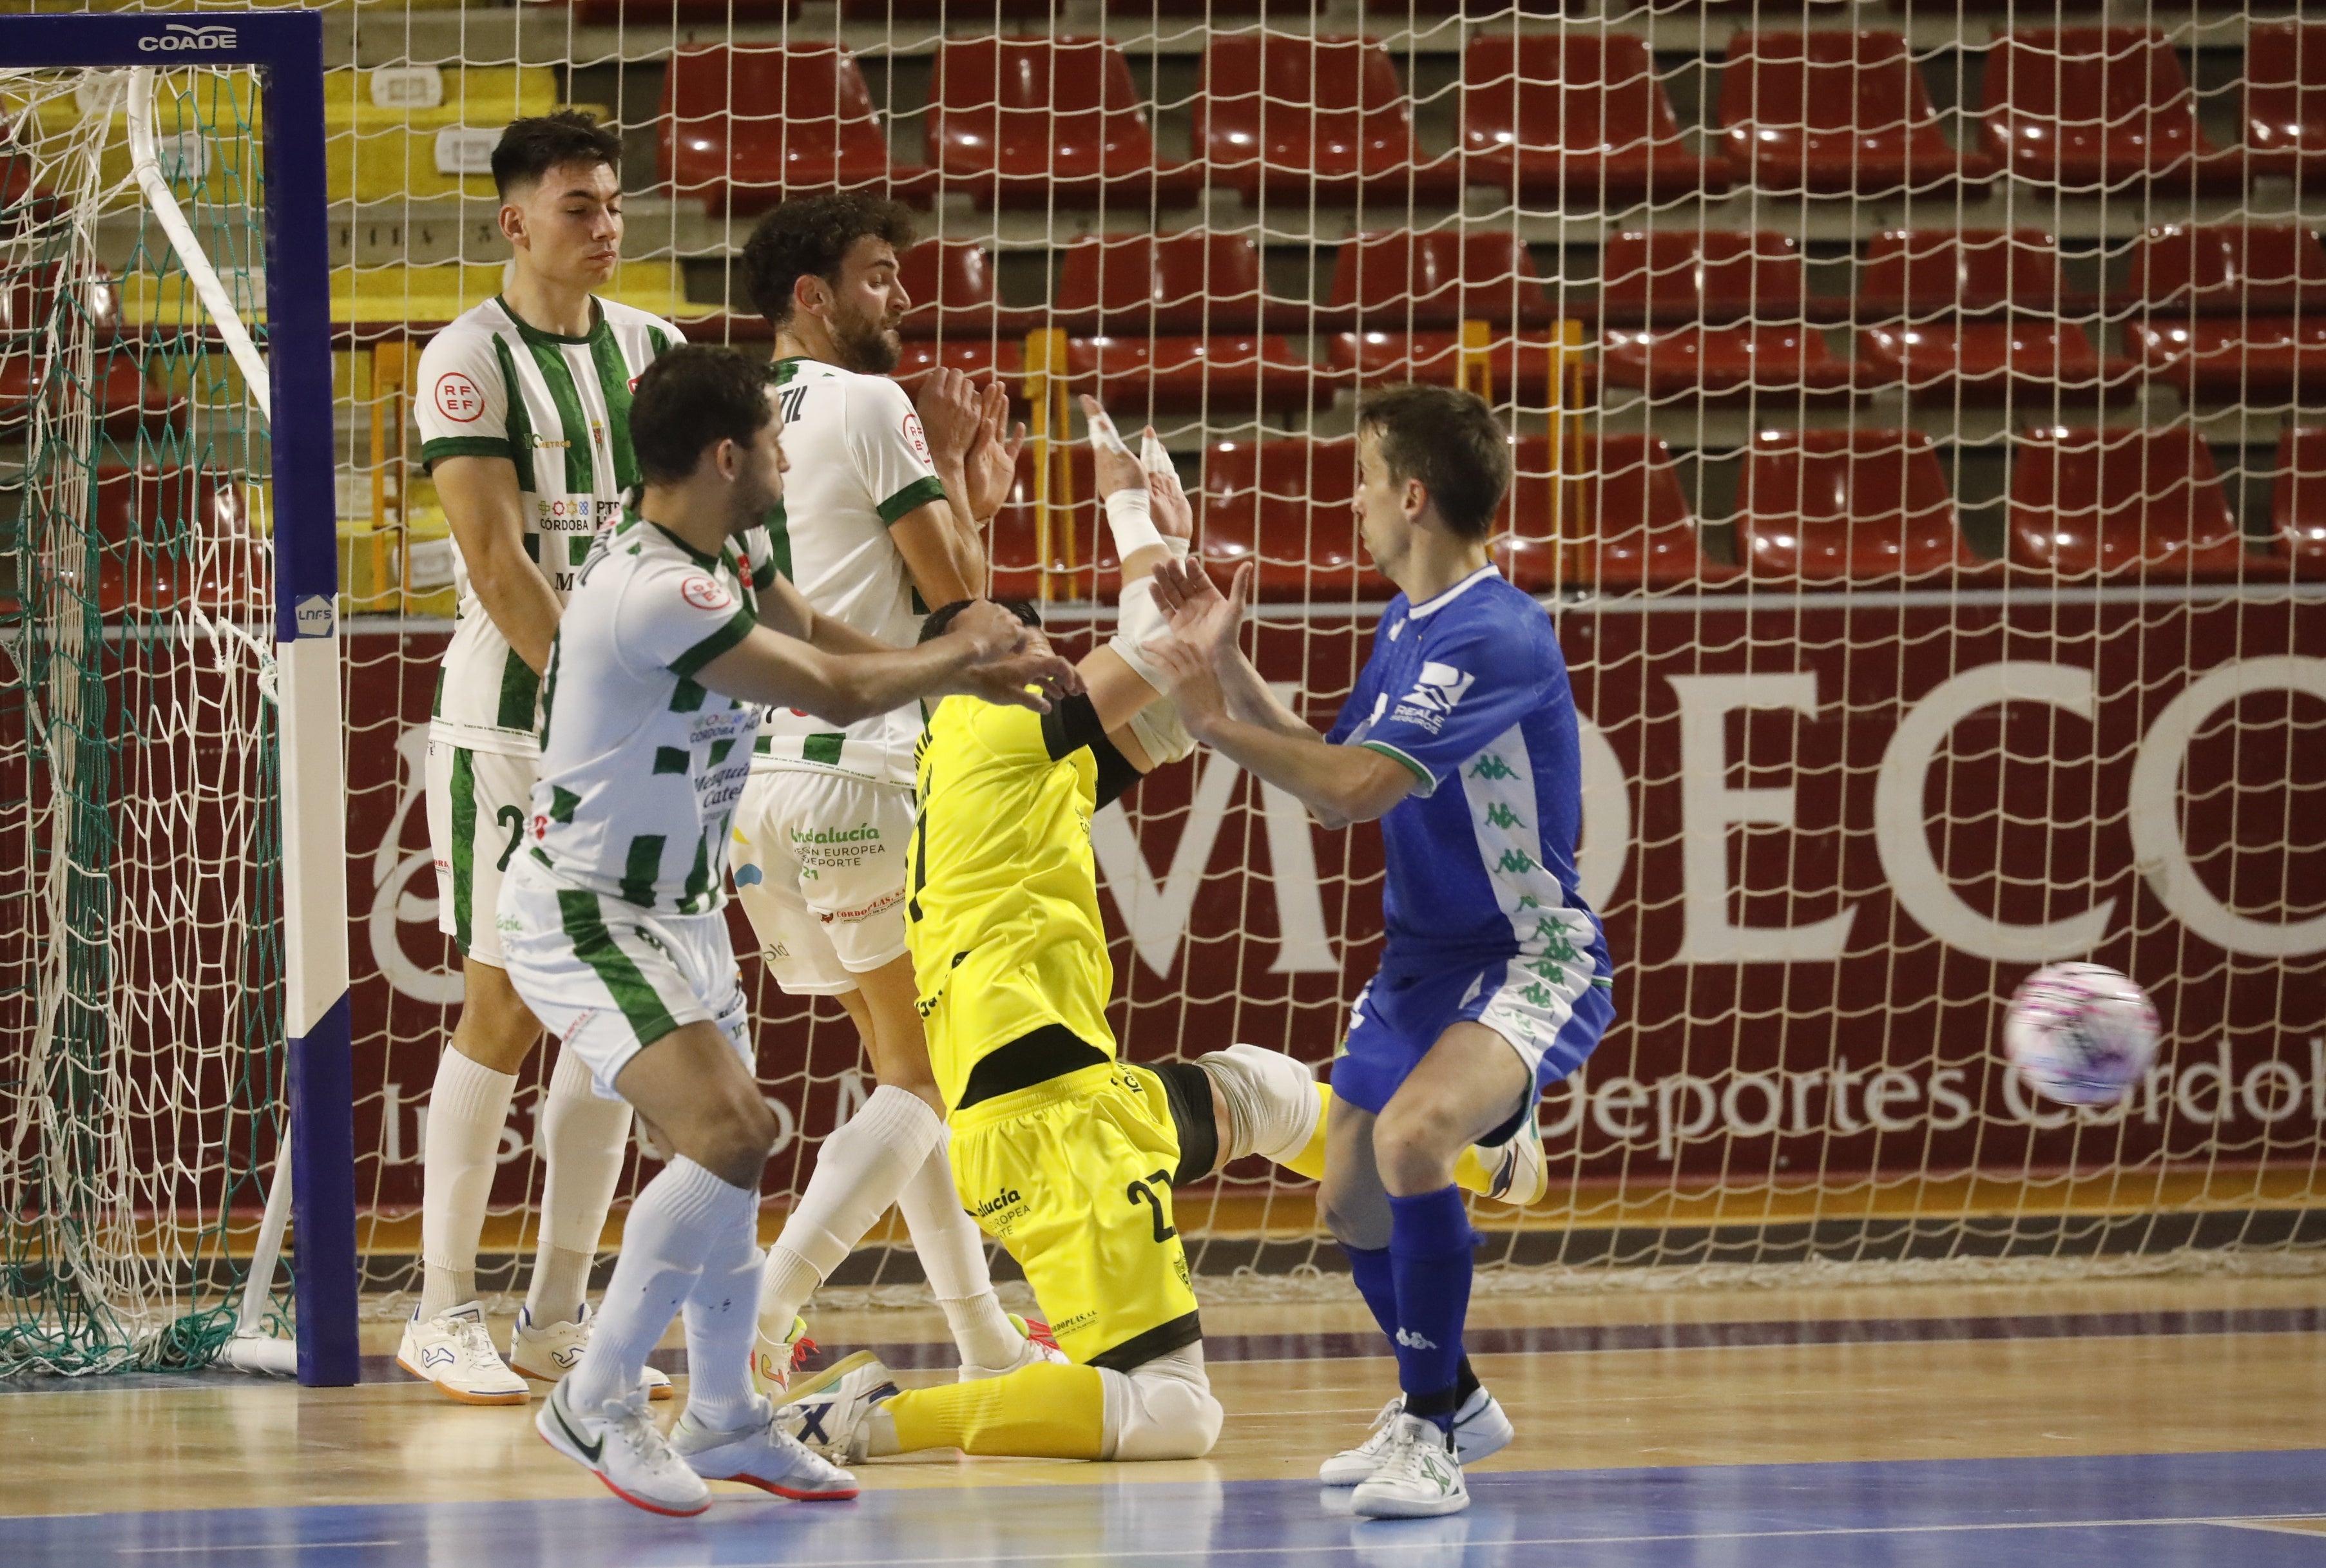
<point x="1062" y="1152"/>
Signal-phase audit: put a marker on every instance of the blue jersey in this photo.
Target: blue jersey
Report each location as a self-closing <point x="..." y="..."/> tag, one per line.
<point x="1469" y="690"/>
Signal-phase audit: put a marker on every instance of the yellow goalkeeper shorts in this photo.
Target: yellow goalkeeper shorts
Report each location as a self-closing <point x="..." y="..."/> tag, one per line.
<point x="1072" y="1175"/>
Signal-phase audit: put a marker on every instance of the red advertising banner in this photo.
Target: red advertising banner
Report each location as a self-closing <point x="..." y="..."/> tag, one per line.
<point x="1828" y="835"/>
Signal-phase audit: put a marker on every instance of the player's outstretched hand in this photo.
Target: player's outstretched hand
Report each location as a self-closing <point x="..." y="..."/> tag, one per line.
<point x="1193" y="684"/>
<point x="991" y="465"/>
<point x="951" y="413"/>
<point x="1168" y="503"/>
<point x="1009" y="662"/>
<point x="1033" y="679"/>
<point x="1118" y="467"/>
<point x="1203" y="617"/>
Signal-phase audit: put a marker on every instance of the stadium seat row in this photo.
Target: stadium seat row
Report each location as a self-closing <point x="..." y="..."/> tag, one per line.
<point x="1813" y="507"/>
<point x="1580" y="119"/>
<point x="1179" y="323"/>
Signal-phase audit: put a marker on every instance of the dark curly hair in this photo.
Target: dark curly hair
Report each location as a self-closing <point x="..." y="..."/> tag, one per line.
<point x="530" y="148"/>
<point x="693" y="398"/>
<point x="940" y="621"/>
<point x="810" y="235"/>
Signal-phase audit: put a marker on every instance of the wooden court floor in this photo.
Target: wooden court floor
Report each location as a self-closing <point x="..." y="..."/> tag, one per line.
<point x="2128" y="1422"/>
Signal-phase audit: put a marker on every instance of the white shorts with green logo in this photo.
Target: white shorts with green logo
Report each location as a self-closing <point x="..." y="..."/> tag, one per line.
<point x="608" y="978"/>
<point x="477" y="806"/>
<point x="820" y="862"/>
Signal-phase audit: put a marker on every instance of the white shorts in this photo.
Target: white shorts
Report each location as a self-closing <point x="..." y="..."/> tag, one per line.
<point x="608" y="978"/>
<point x="820" y="865"/>
<point x="477" y="806"/>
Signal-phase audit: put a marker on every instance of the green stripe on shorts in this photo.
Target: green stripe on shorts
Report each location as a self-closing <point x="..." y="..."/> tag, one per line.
<point x="585" y="921"/>
<point x="464" y="844"/>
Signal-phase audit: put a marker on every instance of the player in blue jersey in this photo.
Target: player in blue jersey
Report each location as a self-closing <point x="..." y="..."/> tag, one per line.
<point x="1461" y="738"/>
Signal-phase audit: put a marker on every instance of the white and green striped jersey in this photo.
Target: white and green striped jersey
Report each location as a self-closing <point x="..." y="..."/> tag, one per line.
<point x="859" y="462"/>
<point x="641" y="766"/>
<point x="489" y="386"/>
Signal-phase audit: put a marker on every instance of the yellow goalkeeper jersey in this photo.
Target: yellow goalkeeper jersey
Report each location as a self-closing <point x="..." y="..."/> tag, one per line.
<point x="1003" y="914"/>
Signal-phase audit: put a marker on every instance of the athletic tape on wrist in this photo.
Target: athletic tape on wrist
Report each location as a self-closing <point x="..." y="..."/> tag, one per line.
<point x="1131" y="515"/>
<point x="1139" y="622"/>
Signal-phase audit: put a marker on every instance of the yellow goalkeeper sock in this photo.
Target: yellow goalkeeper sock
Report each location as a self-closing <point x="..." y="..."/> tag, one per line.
<point x="1040" y="1412"/>
<point x="1470" y="1173"/>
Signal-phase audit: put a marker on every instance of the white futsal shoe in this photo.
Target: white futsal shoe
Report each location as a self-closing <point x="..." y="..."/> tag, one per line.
<point x="1039" y="1348"/>
<point x="455" y="1350"/>
<point x="547" y="1352"/>
<point x="1480" y="1428"/>
<point x="1419" y="1477"/>
<point x="830" y="1413"/>
<point x="621" y="1447"/>
<point x="762" y="1455"/>
<point x="1522" y="1172"/>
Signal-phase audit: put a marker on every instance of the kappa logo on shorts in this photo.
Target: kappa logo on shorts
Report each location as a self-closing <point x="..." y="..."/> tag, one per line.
<point x="1434" y="692"/>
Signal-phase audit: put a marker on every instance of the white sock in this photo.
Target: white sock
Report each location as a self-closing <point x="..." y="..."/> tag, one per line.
<point x="682" y="1218"/>
<point x="721" y="1314"/>
<point x="467" y="1110"/>
<point x="951" y="1250"/>
<point x="582" y="1140"/>
<point x="859" y="1173"/>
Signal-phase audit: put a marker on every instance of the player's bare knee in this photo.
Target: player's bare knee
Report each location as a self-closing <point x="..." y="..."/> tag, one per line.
<point x="733" y="1140"/>
<point x="496" y="1028"/>
<point x="1415" y="1147"/>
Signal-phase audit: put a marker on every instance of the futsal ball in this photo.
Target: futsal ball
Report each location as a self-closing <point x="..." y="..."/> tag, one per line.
<point x="2082" y="1034"/>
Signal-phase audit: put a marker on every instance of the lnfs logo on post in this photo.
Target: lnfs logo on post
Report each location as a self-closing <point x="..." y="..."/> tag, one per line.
<point x="1435" y="691"/>
<point x="178" y="35"/>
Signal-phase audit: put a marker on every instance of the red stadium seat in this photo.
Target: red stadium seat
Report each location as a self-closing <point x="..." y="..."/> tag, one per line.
<point x="647" y="12"/>
<point x="1727" y="364"/>
<point x="1076" y="566"/>
<point x="2286" y="99"/>
<point x="126" y="399"/>
<point x="1034" y="121"/>
<point x="2229" y="269"/>
<point x="1286" y="503"/>
<point x="1522" y="363"/>
<point x="1638" y="529"/>
<point x="1224" y="376"/>
<point x="2030" y="357"/>
<point x="875" y="11"/>
<point x="1408" y="295"/>
<point x="1859" y="505"/>
<point x="2129" y="503"/>
<point x="1920" y="273"/>
<point x="1576" y="119"/>
<point x="1438" y="279"/>
<point x="152" y="523"/>
<point x="1311" y="118"/>
<point x="2297" y="506"/>
<point x="981" y="356"/>
<point x="2220" y="360"/>
<point x="2099" y="108"/>
<point x="950" y="283"/>
<point x="806" y="124"/>
<point x="1180" y="282"/>
<point x="1836" y="113"/>
<point x="1716" y="277"/>
<point x="29" y="295"/>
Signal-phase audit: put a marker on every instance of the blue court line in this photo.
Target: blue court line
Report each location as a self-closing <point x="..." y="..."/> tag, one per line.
<point x="2109" y="1511"/>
